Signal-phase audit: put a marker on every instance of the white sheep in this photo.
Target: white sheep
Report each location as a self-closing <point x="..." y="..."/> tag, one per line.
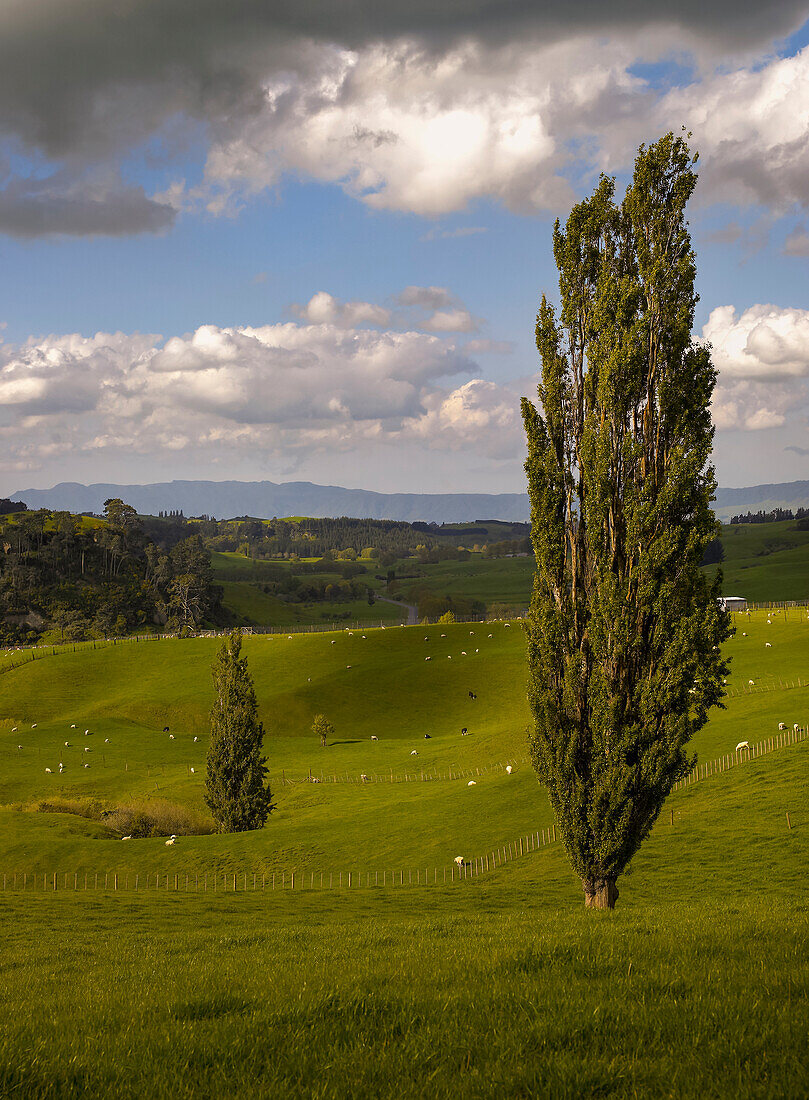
<point x="751" y="683"/>
<point x="767" y="645"/>
<point x="14" y="729"/>
<point x="87" y="749"/>
<point x="491" y="635"/>
<point x="348" y="666"/>
<point x="196" y="739"/>
<point x="106" y="740"/>
<point x="463" y="652"/>
<point x="782" y="725"/>
<point x="332" y="641"/>
<point x="508" y="769"/>
<point x="193" y="772"/>
<point x="449" y="656"/>
<point x="364" y="777"/>
<point x="171" y="840"/>
<point x="742" y="745"/>
<point x="471" y="783"/>
<point x="459" y="860"/>
<point x="744" y="634"/>
<point x="796" y="728"/>
<point x="428" y="658"/>
<point x="48" y="770"/>
<point x="363" y="637"/>
<point x="171" y="737"/>
<point x="127" y="837"/>
<point x="374" y="737"/>
<point x="34" y="726"/>
<point x="414" y="753"/>
<point x="73" y="725"/>
<point x="87" y="765"/>
<point x="443" y="635"/>
<point x="67" y="744"/>
<point x="86" y="732"/>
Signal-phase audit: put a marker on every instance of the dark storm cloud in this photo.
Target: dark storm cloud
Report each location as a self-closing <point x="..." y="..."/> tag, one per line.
<point x="59" y="206"/>
<point x="83" y="76"/>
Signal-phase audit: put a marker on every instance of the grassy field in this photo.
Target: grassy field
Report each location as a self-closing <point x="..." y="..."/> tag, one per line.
<point x="766" y="561"/>
<point x="501" y="985"/>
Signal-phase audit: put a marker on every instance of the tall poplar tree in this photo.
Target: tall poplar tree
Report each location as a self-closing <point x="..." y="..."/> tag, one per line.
<point x="235" y="789"/>
<point x="624" y="630"/>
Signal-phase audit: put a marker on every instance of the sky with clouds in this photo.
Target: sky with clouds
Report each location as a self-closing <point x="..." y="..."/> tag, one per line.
<point x="257" y="239"/>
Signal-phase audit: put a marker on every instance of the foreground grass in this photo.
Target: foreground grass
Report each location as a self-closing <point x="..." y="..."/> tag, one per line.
<point x="484" y="991"/>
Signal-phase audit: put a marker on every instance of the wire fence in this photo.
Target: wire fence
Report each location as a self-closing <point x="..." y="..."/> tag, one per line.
<point x="460" y="871"/>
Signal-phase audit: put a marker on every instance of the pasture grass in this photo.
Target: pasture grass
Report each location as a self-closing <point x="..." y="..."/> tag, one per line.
<point x="697" y="985"/>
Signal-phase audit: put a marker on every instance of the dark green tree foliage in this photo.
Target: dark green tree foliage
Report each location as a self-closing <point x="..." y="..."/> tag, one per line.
<point x="624" y="629"/>
<point x="235" y="789"/>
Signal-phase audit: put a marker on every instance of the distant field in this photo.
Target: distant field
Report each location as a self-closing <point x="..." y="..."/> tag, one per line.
<point x="765" y="561"/>
<point x="501" y="580"/>
<point x="253" y="607"/>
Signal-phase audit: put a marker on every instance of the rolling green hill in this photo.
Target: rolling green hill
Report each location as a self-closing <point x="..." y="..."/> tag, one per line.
<point x="377" y="683"/>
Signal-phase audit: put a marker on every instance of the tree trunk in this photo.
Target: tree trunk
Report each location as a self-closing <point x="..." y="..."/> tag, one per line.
<point x="600" y="893"/>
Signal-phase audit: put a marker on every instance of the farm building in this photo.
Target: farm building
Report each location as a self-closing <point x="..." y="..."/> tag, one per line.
<point x="734" y="603"/>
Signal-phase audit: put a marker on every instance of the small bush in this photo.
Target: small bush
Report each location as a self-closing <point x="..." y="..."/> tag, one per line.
<point x="136" y="819"/>
<point x="157" y="818"/>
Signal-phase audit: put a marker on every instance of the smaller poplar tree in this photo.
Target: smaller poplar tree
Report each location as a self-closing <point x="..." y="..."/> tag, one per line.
<point x="235" y="781"/>
<point x="323" y="728"/>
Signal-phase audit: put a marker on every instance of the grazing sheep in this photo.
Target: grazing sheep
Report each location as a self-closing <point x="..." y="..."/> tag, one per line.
<point x="34" y="726"/>
<point x="14" y="730"/>
<point x="127" y="837"/>
<point x="796" y="728"/>
<point x="459" y="860"/>
<point x="491" y="635"/>
<point x="48" y="770"/>
<point x="508" y="769"/>
<point x="19" y="746"/>
<point x="171" y="737"/>
<point x="374" y="737"/>
<point x="426" y="639"/>
<point x="768" y="645"/>
<point x="106" y="740"/>
<point x="744" y="634"/>
<point x="73" y="725"/>
<point x="506" y="624"/>
<point x="87" y="765"/>
<point x="742" y="745"/>
<point x="196" y="739"/>
<point x="463" y="652"/>
<point x="171" y="840"/>
<point x="363" y="637"/>
<point x="86" y="732"/>
<point x="348" y="666"/>
<point x="471" y="783"/>
<point x="193" y="772"/>
<point x="88" y="750"/>
<point x="414" y="753"/>
<point x="67" y="744"/>
<point x="332" y="641"/>
<point x="471" y="632"/>
<point x="782" y="725"/>
<point x="364" y="777"/>
<point x="449" y="657"/>
<point x="751" y="683"/>
<point x="443" y="635"/>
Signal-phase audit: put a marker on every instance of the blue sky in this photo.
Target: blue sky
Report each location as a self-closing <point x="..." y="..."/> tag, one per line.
<point x="168" y="217"/>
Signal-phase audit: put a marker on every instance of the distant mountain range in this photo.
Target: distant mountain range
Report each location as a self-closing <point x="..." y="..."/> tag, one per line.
<point x="265" y="499"/>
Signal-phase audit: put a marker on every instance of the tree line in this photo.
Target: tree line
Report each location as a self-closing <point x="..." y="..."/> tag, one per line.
<point x="85" y="578"/>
